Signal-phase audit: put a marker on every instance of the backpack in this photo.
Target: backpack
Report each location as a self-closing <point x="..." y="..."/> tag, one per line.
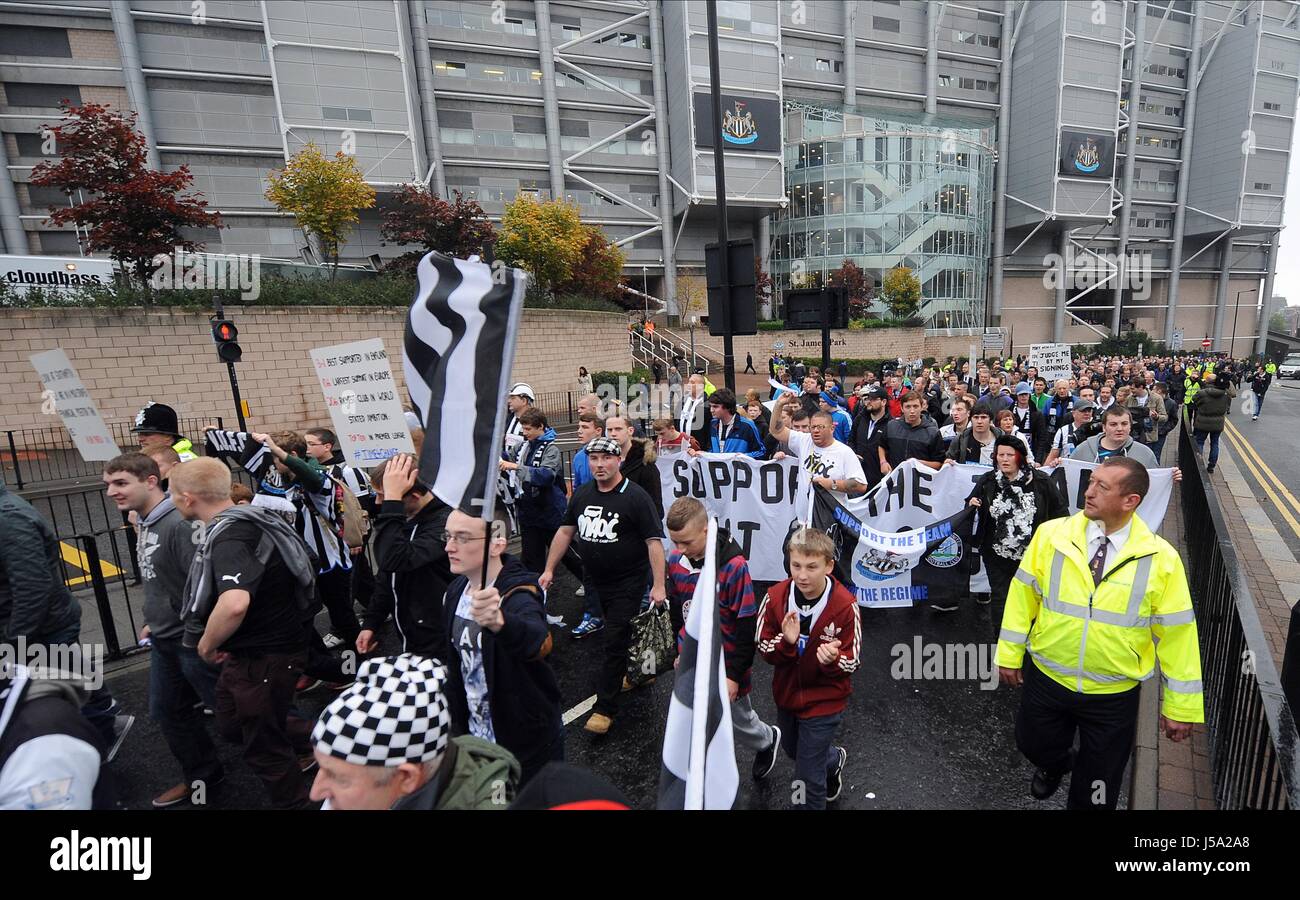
<point x="356" y="524"/>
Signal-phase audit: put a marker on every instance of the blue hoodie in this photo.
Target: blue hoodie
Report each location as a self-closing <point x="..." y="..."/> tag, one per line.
<point x="542" y="499"/>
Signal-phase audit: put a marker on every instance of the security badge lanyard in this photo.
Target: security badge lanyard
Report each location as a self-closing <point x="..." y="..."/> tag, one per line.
<point x="812" y="615"/>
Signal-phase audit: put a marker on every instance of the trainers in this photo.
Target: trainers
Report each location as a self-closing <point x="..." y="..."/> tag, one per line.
<point x="582" y="589"/>
<point x="331" y="641"/>
<point x="589" y="625"/>
<point x="629" y="686"/>
<point x="835" y="776"/>
<point x="121" y="725"/>
<point x="1254" y="418"/>
<point x="1044" y="784"/>
<point x="598" y="724"/>
<point x="1210" y="468"/>
<point x="765" y="760"/>
<point x="307" y="683"/>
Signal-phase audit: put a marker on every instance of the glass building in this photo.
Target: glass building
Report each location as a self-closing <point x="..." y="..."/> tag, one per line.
<point x="884" y="189"/>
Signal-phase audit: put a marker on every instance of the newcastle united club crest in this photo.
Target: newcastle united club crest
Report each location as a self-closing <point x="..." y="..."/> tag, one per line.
<point x="1087" y="158"/>
<point x="739" y="127"/>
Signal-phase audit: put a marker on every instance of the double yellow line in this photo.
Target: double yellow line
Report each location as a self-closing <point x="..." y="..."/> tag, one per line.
<point x="1250" y="459"/>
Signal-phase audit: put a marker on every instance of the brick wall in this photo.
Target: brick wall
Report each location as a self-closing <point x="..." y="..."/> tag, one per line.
<point x="87" y="43"/>
<point x="126" y="357"/>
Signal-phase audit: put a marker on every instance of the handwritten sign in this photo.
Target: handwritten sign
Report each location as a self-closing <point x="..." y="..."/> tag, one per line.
<point x="1051" y="360"/>
<point x="66" y="395"/>
<point x="362" y="400"/>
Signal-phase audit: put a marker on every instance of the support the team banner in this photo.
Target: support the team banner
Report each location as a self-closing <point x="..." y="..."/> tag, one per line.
<point x="885" y="569"/>
<point x="756" y="500"/>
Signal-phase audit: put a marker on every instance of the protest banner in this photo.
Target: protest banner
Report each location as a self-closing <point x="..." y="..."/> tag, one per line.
<point x="1051" y="360"/>
<point x="66" y="395"/>
<point x="362" y="400"/>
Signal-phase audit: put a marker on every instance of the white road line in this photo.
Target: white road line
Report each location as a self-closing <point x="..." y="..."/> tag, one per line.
<point x="580" y="710"/>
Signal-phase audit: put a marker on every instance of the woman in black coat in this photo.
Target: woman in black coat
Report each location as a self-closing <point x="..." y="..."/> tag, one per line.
<point x="1013" y="500"/>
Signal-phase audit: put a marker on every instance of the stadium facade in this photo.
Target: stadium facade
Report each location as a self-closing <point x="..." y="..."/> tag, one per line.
<point x="1063" y="170"/>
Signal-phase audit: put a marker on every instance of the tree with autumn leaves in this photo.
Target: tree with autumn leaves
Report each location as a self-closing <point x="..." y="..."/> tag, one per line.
<point x="130" y="212"/>
<point x="859" y="285"/>
<point x="417" y="216"/>
<point x="563" y="256"/>
<point x="325" y="196"/>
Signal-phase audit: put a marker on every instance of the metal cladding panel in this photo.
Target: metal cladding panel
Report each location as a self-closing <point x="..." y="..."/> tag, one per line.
<point x="677" y="82"/>
<point x="1033" y="120"/>
<point x="1222" y="143"/>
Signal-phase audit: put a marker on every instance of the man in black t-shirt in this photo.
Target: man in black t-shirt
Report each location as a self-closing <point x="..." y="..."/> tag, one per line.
<point x="255" y="630"/>
<point x="620" y="540"/>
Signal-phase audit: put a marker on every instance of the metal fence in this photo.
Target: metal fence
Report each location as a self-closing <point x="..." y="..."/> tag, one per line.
<point x="44" y="456"/>
<point x="1253" y="749"/>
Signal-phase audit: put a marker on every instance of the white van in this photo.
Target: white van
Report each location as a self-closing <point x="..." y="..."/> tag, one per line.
<point x="1290" y="367"/>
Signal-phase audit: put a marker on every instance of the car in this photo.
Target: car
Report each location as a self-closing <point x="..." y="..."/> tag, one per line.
<point x="1290" y="367"/>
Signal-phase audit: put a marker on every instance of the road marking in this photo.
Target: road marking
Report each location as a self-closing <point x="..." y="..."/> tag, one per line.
<point x="75" y="557"/>
<point x="580" y="710"/>
<point x="1241" y="438"/>
<point x="1277" y="501"/>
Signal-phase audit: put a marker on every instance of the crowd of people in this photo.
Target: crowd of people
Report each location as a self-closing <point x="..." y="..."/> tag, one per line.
<point x="438" y="640"/>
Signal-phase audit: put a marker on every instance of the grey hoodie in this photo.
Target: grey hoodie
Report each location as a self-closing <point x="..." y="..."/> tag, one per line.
<point x="1087" y="451"/>
<point x="165" y="548"/>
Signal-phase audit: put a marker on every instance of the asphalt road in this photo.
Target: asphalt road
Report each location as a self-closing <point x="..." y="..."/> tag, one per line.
<point x="913" y="744"/>
<point x="1267" y="456"/>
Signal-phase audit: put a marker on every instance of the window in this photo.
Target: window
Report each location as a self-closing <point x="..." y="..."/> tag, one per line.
<point x="626" y="39"/>
<point x="347" y="115"/>
<point x="569" y="32"/>
<point x="880" y="23"/>
<point x="41" y="95"/>
<point x="521" y="26"/>
<point x="963" y="37"/>
<point x="24" y="40"/>
<point x="945" y="81"/>
<point x="1263" y="186"/>
<point x="828" y="65"/>
<point x="454" y="69"/>
<point x="1272" y="106"/>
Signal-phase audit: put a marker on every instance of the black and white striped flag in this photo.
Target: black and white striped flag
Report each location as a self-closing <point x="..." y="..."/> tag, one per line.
<point x="459" y="347"/>
<point x="699" y="763"/>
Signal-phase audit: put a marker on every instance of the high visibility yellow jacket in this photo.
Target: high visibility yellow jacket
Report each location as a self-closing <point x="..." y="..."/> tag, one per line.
<point x="1103" y="639"/>
<point x="185" y="450"/>
<point x="1271" y="368"/>
<point x="1191" y="387"/>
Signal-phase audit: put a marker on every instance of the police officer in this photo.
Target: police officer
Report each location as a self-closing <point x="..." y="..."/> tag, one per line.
<point x="156" y="426"/>
<point x="1096" y="600"/>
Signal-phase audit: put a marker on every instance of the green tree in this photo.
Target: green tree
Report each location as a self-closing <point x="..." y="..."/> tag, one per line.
<point x="545" y="238"/>
<point x="1277" y="322"/>
<point x="324" y="195"/>
<point x="901" y="292"/>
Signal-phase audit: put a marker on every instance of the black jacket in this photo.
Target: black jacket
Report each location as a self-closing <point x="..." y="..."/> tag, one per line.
<point x="1039" y="437"/>
<point x="522" y="692"/>
<point x="965" y="449"/>
<point x="1049" y="503"/>
<point x="639" y="468"/>
<point x="867" y="447"/>
<point x="412" y="558"/>
<point x="34" y="601"/>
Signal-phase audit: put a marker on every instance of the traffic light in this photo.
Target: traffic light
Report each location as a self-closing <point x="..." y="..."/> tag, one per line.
<point x="224" y="335"/>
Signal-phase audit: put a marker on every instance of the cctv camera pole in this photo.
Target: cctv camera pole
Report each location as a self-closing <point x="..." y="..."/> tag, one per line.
<point x="230" y="368"/>
<point x="720" y="189"/>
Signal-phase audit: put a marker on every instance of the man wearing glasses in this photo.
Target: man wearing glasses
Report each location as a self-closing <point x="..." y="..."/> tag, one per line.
<point x="411" y="558"/>
<point x="826" y="462"/>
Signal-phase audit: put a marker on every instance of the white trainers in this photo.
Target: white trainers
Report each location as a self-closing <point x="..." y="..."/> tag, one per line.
<point x="582" y="590"/>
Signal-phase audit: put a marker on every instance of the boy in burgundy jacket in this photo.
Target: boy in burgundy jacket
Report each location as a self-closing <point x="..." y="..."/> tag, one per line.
<point x="810" y="631"/>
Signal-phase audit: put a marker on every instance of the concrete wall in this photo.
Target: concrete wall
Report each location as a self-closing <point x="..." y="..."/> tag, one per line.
<point x="876" y="343"/>
<point x="126" y="357"/>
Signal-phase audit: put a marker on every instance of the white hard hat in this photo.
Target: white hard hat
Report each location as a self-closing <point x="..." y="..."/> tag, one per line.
<point x="523" y="390"/>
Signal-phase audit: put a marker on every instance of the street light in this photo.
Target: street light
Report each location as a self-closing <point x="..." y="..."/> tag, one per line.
<point x="1232" y="348"/>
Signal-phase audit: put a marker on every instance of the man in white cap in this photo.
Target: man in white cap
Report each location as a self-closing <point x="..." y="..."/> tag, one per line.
<point x="521" y="397"/>
<point x="385" y="743"/>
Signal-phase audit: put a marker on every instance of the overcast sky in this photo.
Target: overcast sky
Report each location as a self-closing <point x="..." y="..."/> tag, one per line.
<point x="1287" y="282"/>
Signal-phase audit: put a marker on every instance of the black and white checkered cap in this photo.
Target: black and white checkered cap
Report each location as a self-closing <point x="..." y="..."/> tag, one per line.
<point x="604" y="445"/>
<point x="395" y="712"/>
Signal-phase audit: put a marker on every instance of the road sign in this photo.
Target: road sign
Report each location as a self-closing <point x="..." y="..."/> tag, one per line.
<point x="1205" y="344"/>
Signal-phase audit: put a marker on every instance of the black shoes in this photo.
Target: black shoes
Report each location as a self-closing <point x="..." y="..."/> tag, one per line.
<point x="1044" y="785"/>
<point x="765" y="760"/>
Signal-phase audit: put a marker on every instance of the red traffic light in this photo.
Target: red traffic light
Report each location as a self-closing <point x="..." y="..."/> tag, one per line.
<point x="224" y="331"/>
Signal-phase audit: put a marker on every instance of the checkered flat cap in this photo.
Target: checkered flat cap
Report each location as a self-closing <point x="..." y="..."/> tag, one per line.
<point x="395" y="712"/>
<point x="604" y="445"/>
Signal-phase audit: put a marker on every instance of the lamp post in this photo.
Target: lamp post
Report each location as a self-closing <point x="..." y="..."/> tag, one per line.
<point x="1232" y="348"/>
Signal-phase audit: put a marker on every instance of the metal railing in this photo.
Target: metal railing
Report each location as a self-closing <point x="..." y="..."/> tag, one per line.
<point x="32" y="457"/>
<point x="1253" y="742"/>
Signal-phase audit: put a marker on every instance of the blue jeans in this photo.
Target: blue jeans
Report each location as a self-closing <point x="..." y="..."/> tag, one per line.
<point x="1199" y="436"/>
<point x="101" y="709"/>
<point x="177" y="680"/>
<point x="1259" y="404"/>
<point x="1158" y="447"/>
<point x="808" y="743"/>
<point x="592" y="598"/>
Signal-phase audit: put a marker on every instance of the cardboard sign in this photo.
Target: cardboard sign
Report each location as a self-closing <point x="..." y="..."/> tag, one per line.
<point x="66" y="395"/>
<point x="1051" y="360"/>
<point x="363" y="402"/>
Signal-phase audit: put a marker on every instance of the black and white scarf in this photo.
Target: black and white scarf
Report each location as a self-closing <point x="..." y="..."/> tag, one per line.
<point x="1012" y="514"/>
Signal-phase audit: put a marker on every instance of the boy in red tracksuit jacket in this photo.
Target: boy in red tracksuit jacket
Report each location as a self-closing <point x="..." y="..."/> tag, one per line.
<point x="810" y="631"/>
